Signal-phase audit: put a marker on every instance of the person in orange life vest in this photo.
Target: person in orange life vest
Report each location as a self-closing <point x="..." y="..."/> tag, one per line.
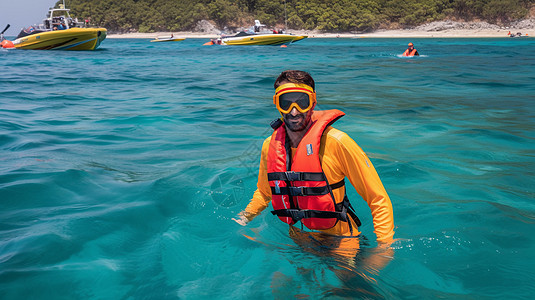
<point x="411" y="51"/>
<point x="303" y="165"/>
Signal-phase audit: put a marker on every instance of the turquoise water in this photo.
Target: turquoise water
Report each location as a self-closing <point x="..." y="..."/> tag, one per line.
<point x="122" y="168"/>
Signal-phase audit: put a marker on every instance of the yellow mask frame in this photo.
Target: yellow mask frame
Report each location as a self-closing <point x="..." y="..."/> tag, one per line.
<point x="294" y="88"/>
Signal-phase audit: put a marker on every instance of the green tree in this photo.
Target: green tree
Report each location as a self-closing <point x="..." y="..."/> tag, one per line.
<point x="327" y="15"/>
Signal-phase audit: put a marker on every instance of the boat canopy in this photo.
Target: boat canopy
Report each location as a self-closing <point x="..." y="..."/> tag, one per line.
<point x="56" y="19"/>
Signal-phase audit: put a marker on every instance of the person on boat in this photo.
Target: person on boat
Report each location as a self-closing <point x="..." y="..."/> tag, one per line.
<point x="411" y="51"/>
<point x="302" y="169"/>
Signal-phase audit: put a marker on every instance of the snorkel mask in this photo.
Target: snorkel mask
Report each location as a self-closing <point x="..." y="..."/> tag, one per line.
<point x="298" y="95"/>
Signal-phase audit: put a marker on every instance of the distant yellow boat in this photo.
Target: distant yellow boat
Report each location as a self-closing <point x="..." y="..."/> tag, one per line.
<point x="255" y="36"/>
<point x="169" y="39"/>
<point x="60" y="32"/>
<point x="260" y="39"/>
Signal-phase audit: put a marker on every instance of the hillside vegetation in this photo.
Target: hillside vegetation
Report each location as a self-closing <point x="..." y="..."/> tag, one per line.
<point x="325" y="15"/>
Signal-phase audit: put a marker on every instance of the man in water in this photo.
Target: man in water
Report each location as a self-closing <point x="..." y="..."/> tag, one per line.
<point x="411" y="51"/>
<point x="303" y="166"/>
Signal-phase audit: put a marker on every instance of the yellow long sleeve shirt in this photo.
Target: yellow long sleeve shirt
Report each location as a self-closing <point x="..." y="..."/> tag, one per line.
<point x="340" y="157"/>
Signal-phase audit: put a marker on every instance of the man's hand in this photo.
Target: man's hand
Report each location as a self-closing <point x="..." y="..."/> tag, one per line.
<point x="241" y="219"/>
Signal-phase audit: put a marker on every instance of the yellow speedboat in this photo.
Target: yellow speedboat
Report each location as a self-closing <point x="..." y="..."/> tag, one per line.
<point x="168" y="39"/>
<point x="244" y="38"/>
<point x="256" y="36"/>
<point x="60" y="32"/>
<point x="68" y="39"/>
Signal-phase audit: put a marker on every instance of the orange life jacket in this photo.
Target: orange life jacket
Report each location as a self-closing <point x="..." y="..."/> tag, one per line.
<point x="411" y="53"/>
<point x="300" y="190"/>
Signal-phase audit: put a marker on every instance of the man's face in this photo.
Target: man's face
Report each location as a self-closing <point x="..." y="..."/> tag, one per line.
<point x="296" y="120"/>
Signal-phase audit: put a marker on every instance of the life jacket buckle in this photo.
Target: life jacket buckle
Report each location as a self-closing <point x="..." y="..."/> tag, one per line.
<point x="296" y="214"/>
<point x="293" y="176"/>
<point x="296" y="191"/>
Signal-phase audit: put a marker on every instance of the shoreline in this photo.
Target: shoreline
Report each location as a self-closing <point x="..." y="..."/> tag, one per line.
<point x="405" y="33"/>
<point x="443" y="29"/>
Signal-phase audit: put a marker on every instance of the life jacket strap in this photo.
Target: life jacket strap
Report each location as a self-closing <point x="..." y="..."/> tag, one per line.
<point x="296" y="176"/>
<point x="351" y="212"/>
<point x="306" y="191"/>
<point x="342" y="209"/>
<point x="298" y="214"/>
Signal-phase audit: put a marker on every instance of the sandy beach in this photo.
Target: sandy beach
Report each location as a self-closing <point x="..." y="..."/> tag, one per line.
<point x="453" y="33"/>
<point x="442" y="29"/>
